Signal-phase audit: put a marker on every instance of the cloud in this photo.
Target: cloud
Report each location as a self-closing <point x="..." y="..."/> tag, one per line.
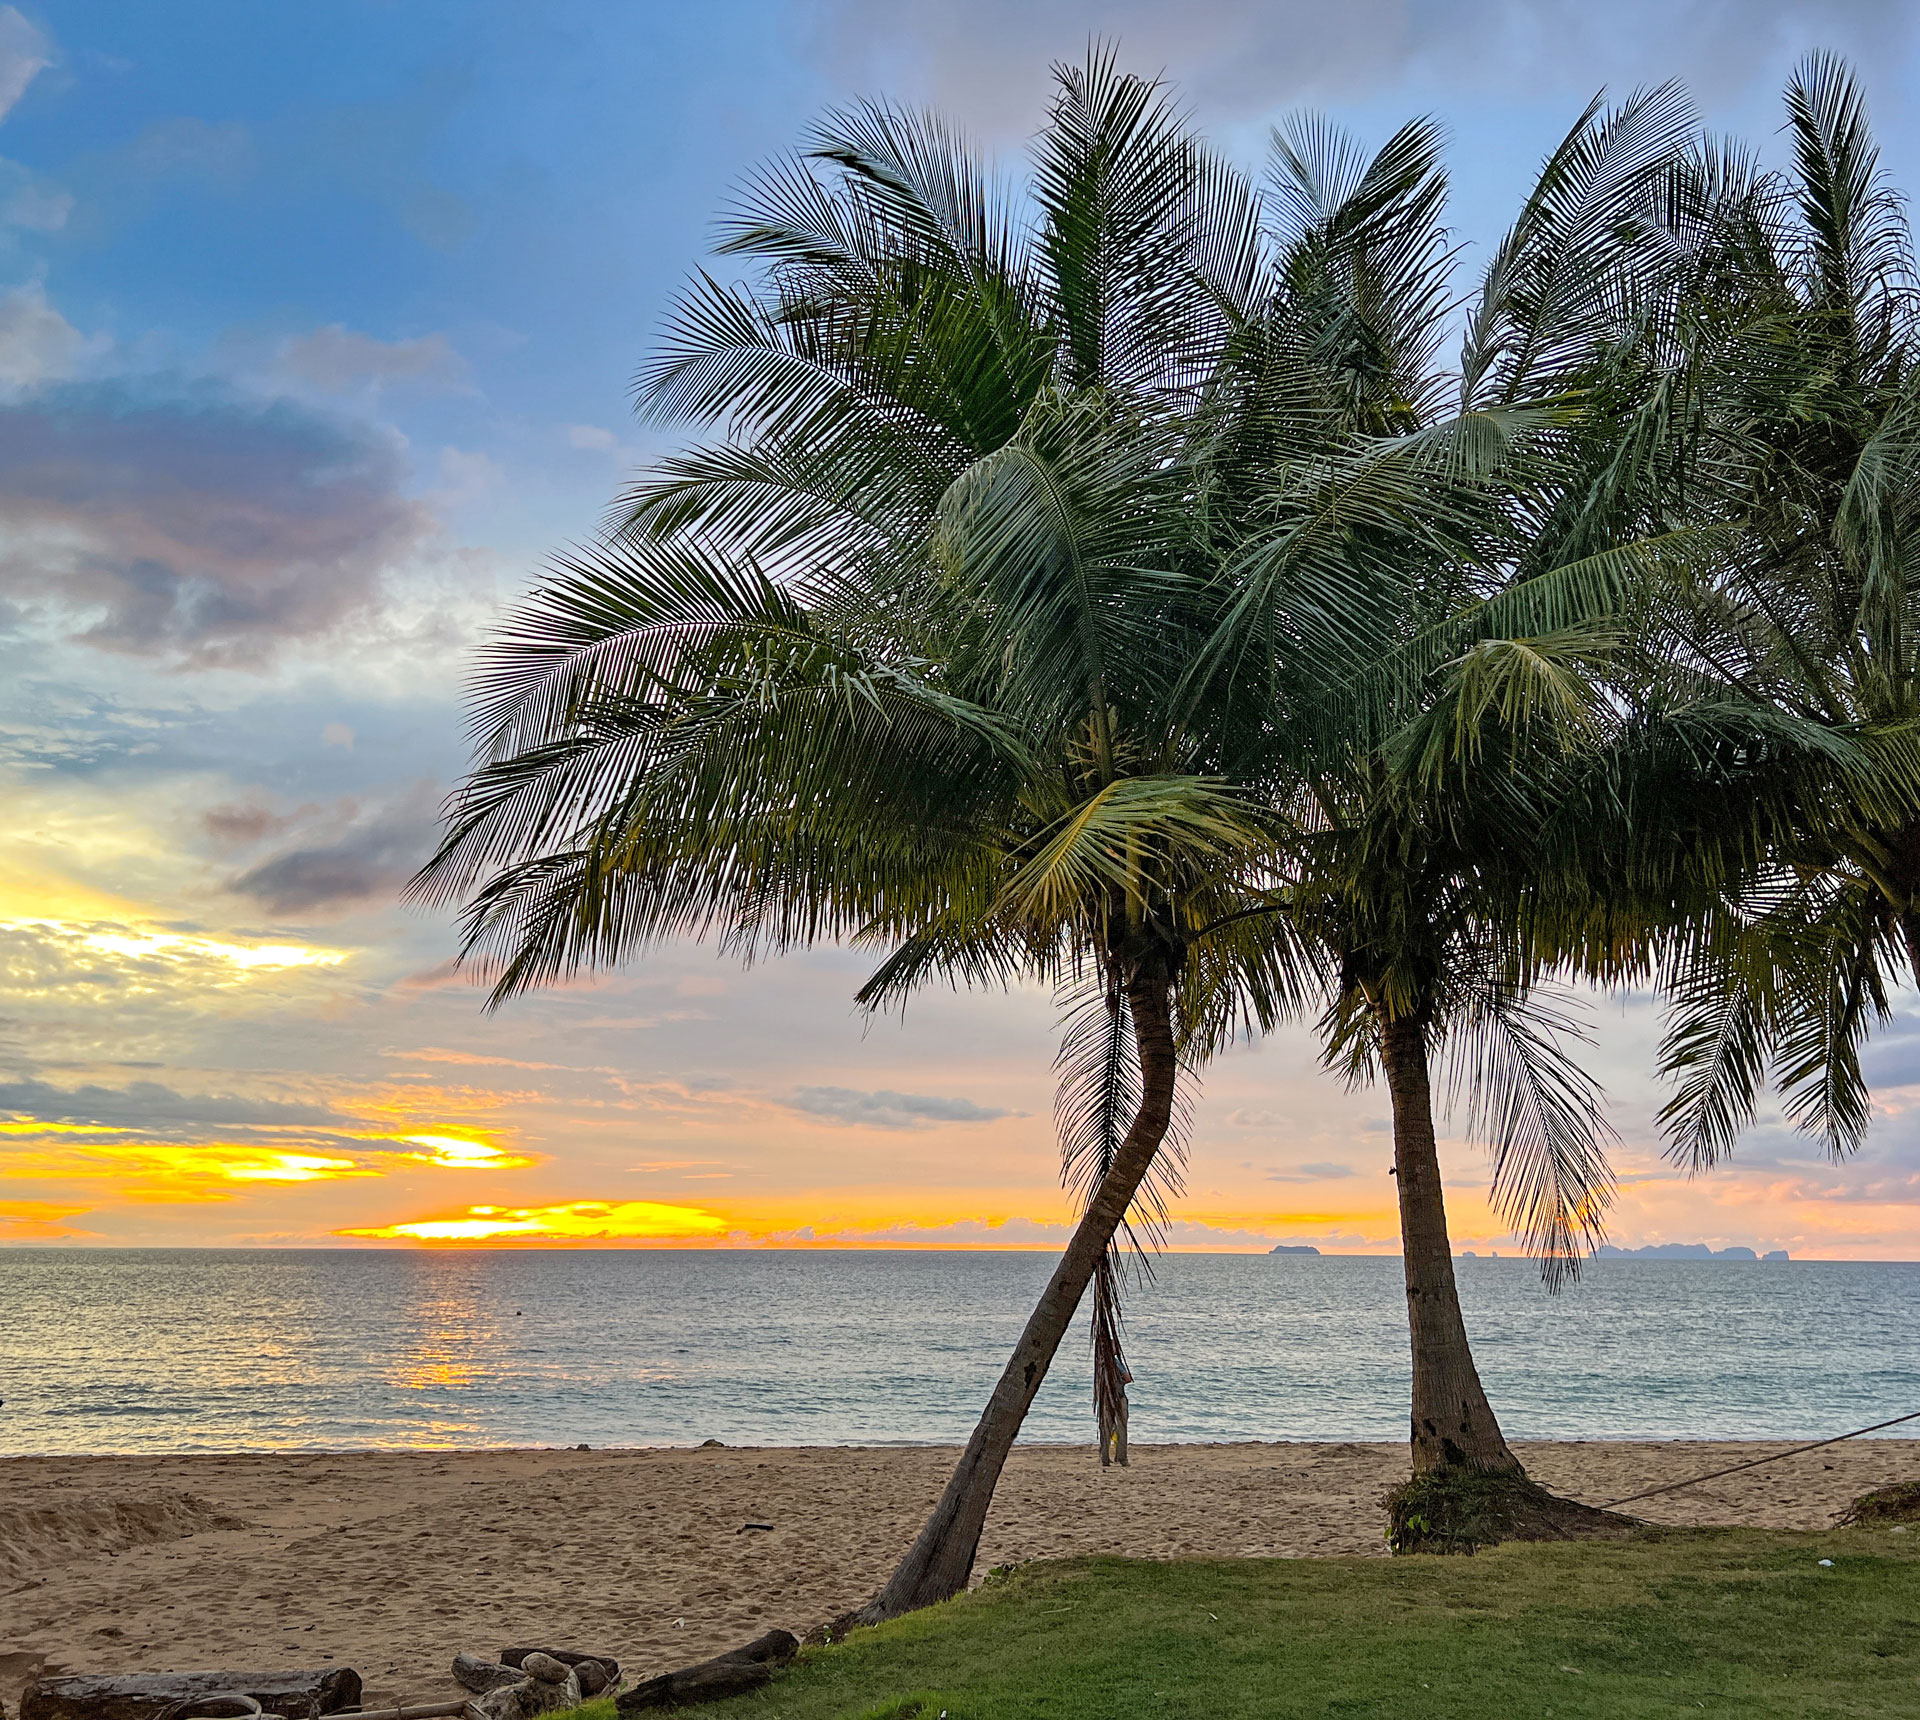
<point x="467" y="474"/>
<point x="107" y="952"/>
<point x="459" y="1153"/>
<point x="37" y="344"/>
<point x="376" y="852"/>
<point x="38" y="1220"/>
<point x="24" y="54"/>
<point x="1310" y="1173"/>
<point x="156" y="1144"/>
<point x="987" y="61"/>
<point x="339" y="360"/>
<point x="479" y="1060"/>
<point x="48" y="722"/>
<point x="120" y="186"/>
<point x="243" y="823"/>
<point x="162" y="1172"/>
<point x="1851" y="1185"/>
<point x="184" y="147"/>
<point x="196" y="527"/>
<point x="887" y="1110"/>
<point x="104" y="992"/>
<point x="151" y="1108"/>
<point x="29" y="201"/>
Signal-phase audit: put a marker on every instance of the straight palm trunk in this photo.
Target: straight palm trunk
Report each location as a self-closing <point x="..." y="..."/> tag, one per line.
<point x="1453" y="1424"/>
<point x="941" y="1560"/>
<point x="1903" y="874"/>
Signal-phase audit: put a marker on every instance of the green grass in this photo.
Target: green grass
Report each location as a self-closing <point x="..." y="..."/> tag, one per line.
<point x="1732" y="1623"/>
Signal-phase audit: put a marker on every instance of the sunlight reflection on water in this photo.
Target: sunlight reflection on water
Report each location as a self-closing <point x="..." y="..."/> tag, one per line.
<point x="154" y="1350"/>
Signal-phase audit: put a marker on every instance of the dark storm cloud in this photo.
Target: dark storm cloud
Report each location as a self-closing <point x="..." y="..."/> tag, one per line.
<point x="376" y="852"/>
<point x="887" y="1110"/>
<point x="195" y="527"/>
<point x="988" y="60"/>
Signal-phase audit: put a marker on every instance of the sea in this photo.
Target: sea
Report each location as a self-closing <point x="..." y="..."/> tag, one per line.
<point x="136" y="1350"/>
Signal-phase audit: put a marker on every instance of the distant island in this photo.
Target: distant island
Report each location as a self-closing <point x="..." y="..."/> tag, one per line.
<point x="1294" y="1248"/>
<point x="1685" y="1251"/>
<point x="1653" y="1251"/>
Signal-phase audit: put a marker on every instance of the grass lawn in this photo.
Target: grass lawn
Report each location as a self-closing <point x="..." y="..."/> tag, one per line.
<point x="1727" y="1622"/>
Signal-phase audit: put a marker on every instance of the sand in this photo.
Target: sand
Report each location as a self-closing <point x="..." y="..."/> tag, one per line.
<point x="390" y="1562"/>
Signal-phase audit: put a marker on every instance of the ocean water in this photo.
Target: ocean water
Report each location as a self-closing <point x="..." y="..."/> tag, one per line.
<point x="186" y="1350"/>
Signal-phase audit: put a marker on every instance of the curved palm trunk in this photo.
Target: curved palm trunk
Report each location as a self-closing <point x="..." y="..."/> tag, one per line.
<point x="1453" y="1424"/>
<point x="1110" y="1376"/>
<point x="941" y="1560"/>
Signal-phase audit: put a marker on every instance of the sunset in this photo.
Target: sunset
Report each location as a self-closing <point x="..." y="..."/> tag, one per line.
<point x="945" y="861"/>
<point x="237" y="656"/>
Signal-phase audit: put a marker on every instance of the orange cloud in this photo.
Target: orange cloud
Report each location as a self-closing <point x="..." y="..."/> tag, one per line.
<point x="165" y="1172"/>
<point x="148" y="1172"/>
<point x="23" y="1219"/>
<point x="571" y="1221"/>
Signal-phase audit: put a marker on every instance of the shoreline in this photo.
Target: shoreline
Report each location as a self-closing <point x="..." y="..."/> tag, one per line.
<point x="299" y="1453"/>
<point x="391" y="1561"/>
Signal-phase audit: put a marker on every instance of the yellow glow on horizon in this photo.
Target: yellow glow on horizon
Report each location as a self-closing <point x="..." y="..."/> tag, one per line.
<point x="570" y="1221"/>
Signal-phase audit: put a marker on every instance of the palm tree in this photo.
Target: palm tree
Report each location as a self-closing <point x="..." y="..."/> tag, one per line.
<point x="1492" y="543"/>
<point x="993" y="627"/>
<point x="903" y="656"/>
<point x="1801" y="360"/>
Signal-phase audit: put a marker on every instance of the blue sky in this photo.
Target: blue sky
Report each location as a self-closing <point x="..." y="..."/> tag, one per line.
<point x="316" y="324"/>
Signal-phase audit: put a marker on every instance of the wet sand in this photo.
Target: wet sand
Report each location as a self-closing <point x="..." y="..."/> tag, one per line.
<point x="391" y="1562"/>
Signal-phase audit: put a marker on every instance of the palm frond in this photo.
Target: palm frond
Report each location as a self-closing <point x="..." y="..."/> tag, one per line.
<point x="1561" y="280"/>
<point x="1539" y="1110"/>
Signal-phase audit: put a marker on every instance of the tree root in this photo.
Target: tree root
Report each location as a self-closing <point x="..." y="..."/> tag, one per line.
<point x="1463" y="1510"/>
<point x="1898" y="1504"/>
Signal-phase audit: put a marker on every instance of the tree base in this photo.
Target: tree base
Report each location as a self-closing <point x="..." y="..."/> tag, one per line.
<point x="1899" y="1504"/>
<point x="1463" y="1510"/>
<point x="835" y="1629"/>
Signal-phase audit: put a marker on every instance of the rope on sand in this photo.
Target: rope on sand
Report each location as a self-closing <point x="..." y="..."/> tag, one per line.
<point x="1755" y="1462"/>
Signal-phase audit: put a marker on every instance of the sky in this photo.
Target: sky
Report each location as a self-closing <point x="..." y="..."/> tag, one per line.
<point x="316" y="327"/>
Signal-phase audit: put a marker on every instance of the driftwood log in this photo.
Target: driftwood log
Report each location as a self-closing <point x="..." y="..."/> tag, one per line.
<point x="725" y="1675"/>
<point x="145" y="1695"/>
<point x="233" y="1707"/>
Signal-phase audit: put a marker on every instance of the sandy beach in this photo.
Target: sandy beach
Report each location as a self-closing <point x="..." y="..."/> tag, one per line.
<point x="390" y="1562"/>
